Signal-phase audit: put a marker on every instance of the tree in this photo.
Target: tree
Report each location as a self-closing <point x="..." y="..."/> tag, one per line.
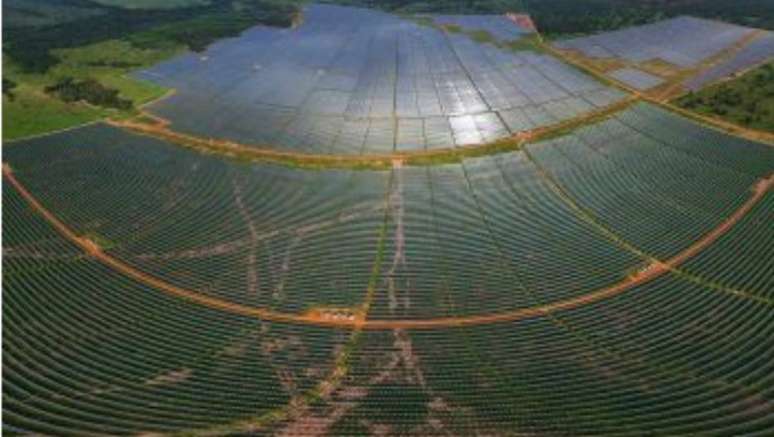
<point x="88" y="90"/>
<point x="8" y="86"/>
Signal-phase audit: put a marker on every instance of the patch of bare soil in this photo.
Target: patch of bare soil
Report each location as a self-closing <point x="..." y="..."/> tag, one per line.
<point x="603" y="65"/>
<point x="523" y="21"/>
<point x="31" y="252"/>
<point x="397" y="211"/>
<point x="254" y="239"/>
<point x="397" y="365"/>
<point x="659" y="67"/>
<point x="171" y="377"/>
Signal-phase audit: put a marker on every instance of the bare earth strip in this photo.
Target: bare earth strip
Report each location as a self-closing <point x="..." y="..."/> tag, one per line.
<point x="655" y="270"/>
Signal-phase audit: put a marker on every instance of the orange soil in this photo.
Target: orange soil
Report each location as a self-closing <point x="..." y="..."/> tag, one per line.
<point x="523" y="21"/>
<point x="319" y="318"/>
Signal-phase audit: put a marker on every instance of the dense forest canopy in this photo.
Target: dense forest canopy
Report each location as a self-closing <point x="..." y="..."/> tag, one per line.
<point x="570" y="17"/>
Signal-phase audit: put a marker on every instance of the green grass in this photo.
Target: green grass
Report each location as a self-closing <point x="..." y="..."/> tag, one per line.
<point x="452" y="28"/>
<point x="747" y="100"/>
<point x="31" y="111"/>
<point x="481" y="36"/>
<point x="84" y="62"/>
<point x="102" y="242"/>
<point x="526" y="42"/>
<point x="108" y="47"/>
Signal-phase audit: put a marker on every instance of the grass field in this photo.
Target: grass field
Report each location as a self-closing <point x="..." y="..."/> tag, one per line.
<point x="747" y="100"/>
<point x="31" y="111"/>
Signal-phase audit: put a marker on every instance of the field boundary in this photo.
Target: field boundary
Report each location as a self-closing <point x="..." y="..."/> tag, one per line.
<point x="654" y="270"/>
<point x="716" y="123"/>
<point x="11" y="141"/>
<point x="156" y="127"/>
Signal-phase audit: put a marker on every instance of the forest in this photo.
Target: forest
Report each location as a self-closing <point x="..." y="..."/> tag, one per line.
<point x="560" y="18"/>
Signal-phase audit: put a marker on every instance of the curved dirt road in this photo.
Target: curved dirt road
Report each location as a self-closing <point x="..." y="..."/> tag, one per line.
<point x="653" y="271"/>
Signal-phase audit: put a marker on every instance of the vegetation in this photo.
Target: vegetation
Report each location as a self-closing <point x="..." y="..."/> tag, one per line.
<point x="8" y="86"/>
<point x="89" y="90"/>
<point x="747" y="100"/>
<point x="527" y="42"/>
<point x="38" y="13"/>
<point x="199" y="32"/>
<point x="560" y="18"/>
<point x="194" y="27"/>
<point x="481" y="36"/>
<point x="31" y="110"/>
<point x="93" y="53"/>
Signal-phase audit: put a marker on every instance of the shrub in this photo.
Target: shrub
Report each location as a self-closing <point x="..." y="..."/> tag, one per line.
<point x="88" y="90"/>
<point x="8" y="86"/>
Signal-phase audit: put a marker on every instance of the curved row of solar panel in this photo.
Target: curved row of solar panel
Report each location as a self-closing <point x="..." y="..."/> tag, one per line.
<point x="358" y="81"/>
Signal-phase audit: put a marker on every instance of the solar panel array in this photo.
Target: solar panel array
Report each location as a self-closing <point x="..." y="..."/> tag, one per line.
<point x="90" y="351"/>
<point x="635" y="78"/>
<point x="758" y="51"/>
<point x="359" y="81"/>
<point x="682" y="41"/>
<point x="574" y="223"/>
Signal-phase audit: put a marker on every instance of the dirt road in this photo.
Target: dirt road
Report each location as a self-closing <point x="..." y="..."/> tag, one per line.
<point x="653" y="271"/>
